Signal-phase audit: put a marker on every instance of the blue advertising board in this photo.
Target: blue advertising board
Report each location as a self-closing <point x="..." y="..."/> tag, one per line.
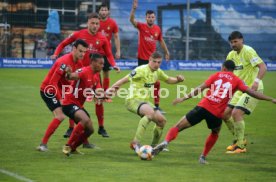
<point x="124" y="64"/>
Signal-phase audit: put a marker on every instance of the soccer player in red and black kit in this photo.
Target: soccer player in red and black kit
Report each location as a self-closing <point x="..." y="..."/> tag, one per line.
<point x="51" y="87"/>
<point x="87" y="81"/>
<point x="97" y="43"/>
<point x="108" y="27"/>
<point x="149" y="34"/>
<point x="222" y="86"/>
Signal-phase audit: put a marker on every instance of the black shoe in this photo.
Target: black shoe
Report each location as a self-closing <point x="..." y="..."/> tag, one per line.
<point x="88" y="145"/>
<point x="102" y="132"/>
<point x="68" y="133"/>
<point x="159" y="109"/>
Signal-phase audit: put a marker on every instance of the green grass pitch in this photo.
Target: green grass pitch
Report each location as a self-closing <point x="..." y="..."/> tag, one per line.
<point x="24" y="118"/>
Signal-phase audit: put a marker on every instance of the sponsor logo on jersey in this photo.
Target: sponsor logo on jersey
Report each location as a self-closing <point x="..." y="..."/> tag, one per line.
<point x="240" y="67"/>
<point x="148" y="85"/>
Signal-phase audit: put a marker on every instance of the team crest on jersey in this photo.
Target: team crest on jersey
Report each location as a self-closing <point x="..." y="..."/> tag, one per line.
<point x="108" y="28"/>
<point x="62" y="67"/>
<point x="156" y="34"/>
<point x="133" y="73"/>
<point x="97" y="42"/>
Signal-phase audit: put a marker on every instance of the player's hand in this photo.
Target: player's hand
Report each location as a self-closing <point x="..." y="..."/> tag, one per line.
<point x="110" y="92"/>
<point x="180" y="78"/>
<point x="53" y="57"/>
<point x="118" y="70"/>
<point x="68" y="70"/>
<point x="118" y="55"/>
<point x="135" y="4"/>
<point x="177" y="100"/>
<point x="255" y="86"/>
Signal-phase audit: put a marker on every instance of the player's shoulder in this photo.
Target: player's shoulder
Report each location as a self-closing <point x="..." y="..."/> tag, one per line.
<point x="111" y="20"/>
<point x="248" y="48"/>
<point x="156" y="27"/>
<point x="101" y="36"/>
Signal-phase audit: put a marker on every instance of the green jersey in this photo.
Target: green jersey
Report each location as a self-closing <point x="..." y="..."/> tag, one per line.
<point x="142" y="80"/>
<point x="246" y="64"/>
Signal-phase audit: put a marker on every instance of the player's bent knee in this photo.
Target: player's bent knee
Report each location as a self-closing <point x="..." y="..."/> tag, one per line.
<point x="60" y="117"/>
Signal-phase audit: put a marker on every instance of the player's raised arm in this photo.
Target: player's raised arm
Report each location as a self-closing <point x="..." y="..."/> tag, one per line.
<point x="193" y="93"/>
<point x="132" y="16"/>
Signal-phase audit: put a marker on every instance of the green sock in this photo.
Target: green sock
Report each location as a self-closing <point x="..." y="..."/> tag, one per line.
<point x="156" y="135"/>
<point x="142" y="126"/>
<point x="230" y="125"/>
<point x="239" y="132"/>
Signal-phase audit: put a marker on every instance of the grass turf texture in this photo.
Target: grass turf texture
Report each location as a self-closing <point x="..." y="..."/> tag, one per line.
<point x="24" y="118"/>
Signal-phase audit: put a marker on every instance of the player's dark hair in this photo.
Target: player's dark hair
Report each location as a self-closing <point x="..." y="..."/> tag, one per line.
<point x="229" y="65"/>
<point x="156" y="55"/>
<point x="95" y="56"/>
<point x="235" y="35"/>
<point x="80" y="42"/>
<point x="103" y="5"/>
<point x="93" y="15"/>
<point x="149" y="12"/>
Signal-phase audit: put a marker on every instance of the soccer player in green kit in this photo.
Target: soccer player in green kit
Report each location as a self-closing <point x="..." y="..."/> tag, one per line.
<point x="251" y="69"/>
<point x="142" y="80"/>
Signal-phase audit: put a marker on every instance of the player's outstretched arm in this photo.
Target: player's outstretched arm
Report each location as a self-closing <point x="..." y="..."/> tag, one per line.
<point x="132" y="16"/>
<point x="120" y="82"/>
<point x="174" y="80"/>
<point x="259" y="95"/>
<point x="193" y="93"/>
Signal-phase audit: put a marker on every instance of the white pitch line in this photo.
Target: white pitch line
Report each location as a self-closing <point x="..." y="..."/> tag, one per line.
<point x="14" y="175"/>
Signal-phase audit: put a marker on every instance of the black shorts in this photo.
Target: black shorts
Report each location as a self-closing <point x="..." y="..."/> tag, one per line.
<point x="70" y="110"/>
<point x="107" y="65"/>
<point x="142" y="62"/>
<point x="196" y="115"/>
<point x="50" y="100"/>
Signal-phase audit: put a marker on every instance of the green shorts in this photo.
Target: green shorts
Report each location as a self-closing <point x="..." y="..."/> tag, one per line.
<point x="244" y="101"/>
<point x="133" y="105"/>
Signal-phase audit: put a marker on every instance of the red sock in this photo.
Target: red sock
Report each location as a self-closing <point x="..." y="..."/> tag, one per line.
<point x="172" y="134"/>
<point x="106" y="83"/>
<point x="209" y="143"/>
<point x="82" y="137"/>
<point x="78" y="130"/>
<point x="71" y="123"/>
<point x="50" y="130"/>
<point x="100" y="113"/>
<point x="156" y="92"/>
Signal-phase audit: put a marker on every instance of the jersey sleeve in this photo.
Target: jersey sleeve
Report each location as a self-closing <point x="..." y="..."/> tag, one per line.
<point x="162" y="75"/>
<point x="139" y="25"/>
<point x="253" y="57"/>
<point x="116" y="28"/>
<point x="135" y="74"/>
<point x="65" y="42"/>
<point x="210" y="80"/>
<point x="160" y="37"/>
<point x="241" y="85"/>
<point x="58" y="73"/>
<point x="82" y="73"/>
<point x="108" y="53"/>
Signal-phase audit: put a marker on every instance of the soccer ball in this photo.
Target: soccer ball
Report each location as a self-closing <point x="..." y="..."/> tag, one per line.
<point x="145" y="152"/>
